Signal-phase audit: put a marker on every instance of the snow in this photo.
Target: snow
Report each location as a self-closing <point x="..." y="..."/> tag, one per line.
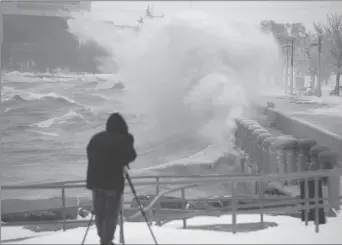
<point x="325" y="111"/>
<point x="277" y="229"/>
<point x="311" y="105"/>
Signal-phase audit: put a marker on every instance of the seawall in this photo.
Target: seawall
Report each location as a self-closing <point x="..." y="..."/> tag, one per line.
<point x="303" y="129"/>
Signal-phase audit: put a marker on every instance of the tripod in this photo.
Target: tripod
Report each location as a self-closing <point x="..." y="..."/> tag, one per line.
<point x="139" y="204"/>
<point x="140" y="207"/>
<point x="90" y="221"/>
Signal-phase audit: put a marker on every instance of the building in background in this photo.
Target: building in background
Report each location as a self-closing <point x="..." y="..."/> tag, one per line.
<point x="36" y="37"/>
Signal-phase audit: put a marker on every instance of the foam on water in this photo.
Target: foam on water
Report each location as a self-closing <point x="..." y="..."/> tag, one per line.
<point x="192" y="72"/>
<point x="65" y="118"/>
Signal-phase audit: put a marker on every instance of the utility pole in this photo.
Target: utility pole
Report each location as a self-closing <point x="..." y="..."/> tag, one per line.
<point x="282" y="70"/>
<point x="319" y="83"/>
<point x="291" y="75"/>
<point x="287" y="69"/>
<point x="1" y="40"/>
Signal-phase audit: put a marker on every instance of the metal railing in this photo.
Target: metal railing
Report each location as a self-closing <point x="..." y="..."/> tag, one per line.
<point x="162" y="215"/>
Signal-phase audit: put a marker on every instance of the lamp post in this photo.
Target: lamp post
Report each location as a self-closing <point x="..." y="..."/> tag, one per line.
<point x="291" y="45"/>
<point x="318" y="90"/>
<point x="291" y="80"/>
<point x="319" y="82"/>
<point x="286" y="85"/>
<point x="1" y="39"/>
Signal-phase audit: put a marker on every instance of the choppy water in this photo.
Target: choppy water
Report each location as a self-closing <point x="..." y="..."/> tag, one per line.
<point x="182" y="81"/>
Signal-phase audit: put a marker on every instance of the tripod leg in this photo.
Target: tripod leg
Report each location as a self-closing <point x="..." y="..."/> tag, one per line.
<point x="122" y="234"/>
<point x="86" y="233"/>
<point x="140" y="206"/>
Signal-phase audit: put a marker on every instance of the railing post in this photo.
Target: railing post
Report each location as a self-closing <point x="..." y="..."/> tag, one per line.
<point x="257" y="152"/>
<point x="328" y="160"/>
<point x="255" y="149"/>
<point x="314" y="152"/>
<point x="0" y="197"/>
<point x="158" y="222"/>
<point x="316" y="191"/>
<point x="317" y="209"/>
<point x="64" y="209"/>
<point x="304" y="160"/>
<point x="234" y="206"/>
<point x="316" y="166"/>
<point x="238" y="132"/>
<point x="306" y="201"/>
<point x="292" y="158"/>
<point x="281" y="157"/>
<point x="267" y="154"/>
<point x="278" y="152"/>
<point x="273" y="156"/>
<point x="250" y="139"/>
<point x="261" y="156"/>
<point x="262" y="187"/>
<point x="288" y="147"/>
<point x="244" y="133"/>
<point x="183" y="205"/>
<point x="304" y="157"/>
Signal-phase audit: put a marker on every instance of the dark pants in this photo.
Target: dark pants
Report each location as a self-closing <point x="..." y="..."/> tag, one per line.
<point x="107" y="205"/>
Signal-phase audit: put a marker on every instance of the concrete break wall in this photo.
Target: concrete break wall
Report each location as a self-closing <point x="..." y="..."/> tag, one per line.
<point x="304" y="129"/>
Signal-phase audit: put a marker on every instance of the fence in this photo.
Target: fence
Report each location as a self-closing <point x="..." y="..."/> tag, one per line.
<point x="162" y="215"/>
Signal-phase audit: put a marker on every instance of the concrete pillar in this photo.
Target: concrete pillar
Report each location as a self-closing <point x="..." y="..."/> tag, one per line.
<point x="267" y="157"/>
<point x="288" y="153"/>
<point x="314" y="152"/>
<point x="249" y="143"/>
<point x="274" y="156"/>
<point x="239" y="131"/>
<point x="261" y="155"/>
<point x="244" y="132"/>
<point x="255" y="150"/>
<point x="304" y="146"/>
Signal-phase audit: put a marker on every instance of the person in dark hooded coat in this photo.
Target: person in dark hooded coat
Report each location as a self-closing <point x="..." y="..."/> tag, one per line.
<point x="108" y="153"/>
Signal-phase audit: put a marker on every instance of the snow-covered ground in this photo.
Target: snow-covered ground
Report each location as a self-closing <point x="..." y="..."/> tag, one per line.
<point x="305" y="105"/>
<point x="201" y="230"/>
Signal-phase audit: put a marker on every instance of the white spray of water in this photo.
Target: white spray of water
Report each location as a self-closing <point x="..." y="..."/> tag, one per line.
<point x="193" y="72"/>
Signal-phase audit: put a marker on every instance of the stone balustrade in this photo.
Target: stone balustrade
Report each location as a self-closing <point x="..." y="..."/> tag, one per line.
<point x="267" y="153"/>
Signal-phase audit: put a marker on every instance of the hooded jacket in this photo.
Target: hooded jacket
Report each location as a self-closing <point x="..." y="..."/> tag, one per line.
<point x="108" y="153"/>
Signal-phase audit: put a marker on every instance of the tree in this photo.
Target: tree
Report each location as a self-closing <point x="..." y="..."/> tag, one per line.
<point x="312" y="41"/>
<point x="283" y="31"/>
<point x="333" y="37"/>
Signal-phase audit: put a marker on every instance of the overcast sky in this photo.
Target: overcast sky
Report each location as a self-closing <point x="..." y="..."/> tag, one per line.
<point x="128" y="12"/>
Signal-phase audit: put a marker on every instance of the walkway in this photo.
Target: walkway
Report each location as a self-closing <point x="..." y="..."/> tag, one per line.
<point x="325" y="113"/>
